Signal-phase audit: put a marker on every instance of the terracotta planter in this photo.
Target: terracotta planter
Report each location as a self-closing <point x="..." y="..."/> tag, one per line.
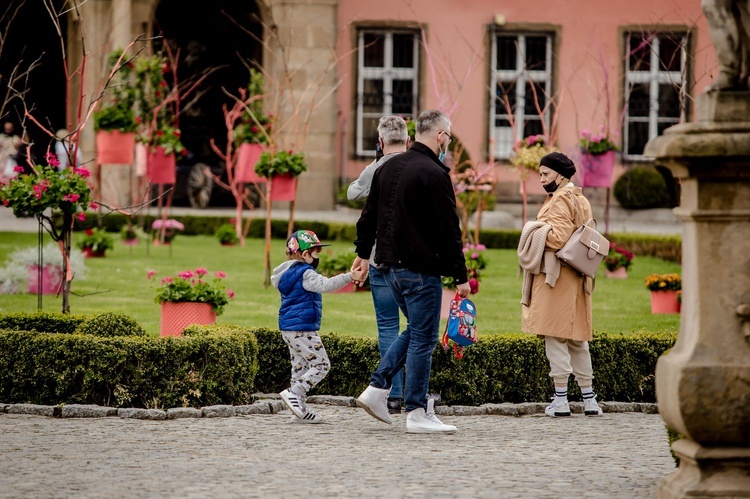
<point x="130" y="242"/>
<point x="618" y="273"/>
<point x="115" y="148"/>
<point x="176" y="316"/>
<point x="225" y="243"/>
<point x="349" y="288"/>
<point x="247" y="157"/>
<point x="283" y="188"/>
<point x="51" y="279"/>
<point x="596" y="171"/>
<point x="161" y="168"/>
<point x="90" y="253"/>
<point x="664" y="302"/>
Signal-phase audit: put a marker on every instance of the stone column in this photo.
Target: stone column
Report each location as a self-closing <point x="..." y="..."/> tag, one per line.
<point x="302" y="59"/>
<point x="703" y="383"/>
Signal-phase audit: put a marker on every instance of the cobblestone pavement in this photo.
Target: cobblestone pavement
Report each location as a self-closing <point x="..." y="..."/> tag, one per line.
<point x="352" y="455"/>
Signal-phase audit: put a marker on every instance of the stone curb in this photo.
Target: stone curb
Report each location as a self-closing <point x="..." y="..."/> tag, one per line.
<point x="270" y="404"/>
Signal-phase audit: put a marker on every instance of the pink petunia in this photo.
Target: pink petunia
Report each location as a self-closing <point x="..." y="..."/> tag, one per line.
<point x="18" y="169"/>
<point x="93" y="206"/>
<point x="151" y="273"/>
<point x="585" y="132"/>
<point x="6" y="202"/>
<point x="83" y="172"/>
<point x="481" y="247"/>
<point x="473" y="286"/>
<point x="201" y="271"/>
<point x="220" y="274"/>
<point x="186" y="274"/>
<point x="52" y="160"/>
<point x="81" y="216"/>
<point x="474" y="256"/>
<point x="230" y="293"/>
<point x="166" y="280"/>
<point x="465" y="250"/>
<point x="72" y="197"/>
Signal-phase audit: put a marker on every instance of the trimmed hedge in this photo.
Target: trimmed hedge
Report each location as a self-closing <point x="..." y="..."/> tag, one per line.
<point x="43" y="322"/>
<point x="665" y="247"/>
<point x="217" y="366"/>
<point x="501" y="368"/>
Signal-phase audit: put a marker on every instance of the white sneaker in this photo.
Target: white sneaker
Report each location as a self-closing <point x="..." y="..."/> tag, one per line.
<point x="591" y="408"/>
<point x="558" y="408"/>
<point x="419" y="421"/>
<point x="375" y="402"/>
<point x="295" y="403"/>
<point x="310" y="417"/>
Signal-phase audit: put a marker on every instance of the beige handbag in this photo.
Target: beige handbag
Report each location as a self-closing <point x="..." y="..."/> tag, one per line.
<point x="585" y="249"/>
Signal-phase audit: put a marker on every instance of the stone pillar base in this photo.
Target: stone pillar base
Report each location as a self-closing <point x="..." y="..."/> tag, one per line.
<point x="708" y="472"/>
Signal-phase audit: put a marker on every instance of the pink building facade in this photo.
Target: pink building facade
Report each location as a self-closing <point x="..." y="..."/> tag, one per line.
<point x="629" y="69"/>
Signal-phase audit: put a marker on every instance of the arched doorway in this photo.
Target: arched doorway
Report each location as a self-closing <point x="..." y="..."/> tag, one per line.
<point x="31" y="37"/>
<point x="222" y="35"/>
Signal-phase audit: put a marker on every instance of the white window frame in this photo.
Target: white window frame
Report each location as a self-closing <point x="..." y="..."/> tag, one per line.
<point x="655" y="76"/>
<point x="387" y="73"/>
<point x="504" y="138"/>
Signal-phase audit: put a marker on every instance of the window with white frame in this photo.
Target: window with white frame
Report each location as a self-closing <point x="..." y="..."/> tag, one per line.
<point x="387" y="81"/>
<point x="520" y="83"/>
<point x="655" y="87"/>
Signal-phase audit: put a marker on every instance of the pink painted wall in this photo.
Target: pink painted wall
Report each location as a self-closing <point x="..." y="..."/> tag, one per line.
<point x="457" y="44"/>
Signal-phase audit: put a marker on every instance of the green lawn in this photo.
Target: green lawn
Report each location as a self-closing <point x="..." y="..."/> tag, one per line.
<point x="118" y="283"/>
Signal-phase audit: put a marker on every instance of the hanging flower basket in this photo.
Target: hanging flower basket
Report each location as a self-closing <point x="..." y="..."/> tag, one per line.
<point x="176" y="316"/>
<point x="51" y="279"/>
<point x="664" y="302"/>
<point x="114" y="147"/>
<point x="596" y="170"/>
<point x="283" y="187"/>
<point x="246" y="159"/>
<point x="161" y="167"/>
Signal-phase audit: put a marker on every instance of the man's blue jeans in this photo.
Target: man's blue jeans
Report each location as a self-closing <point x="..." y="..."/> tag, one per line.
<point x="386" y="316"/>
<point x="418" y="296"/>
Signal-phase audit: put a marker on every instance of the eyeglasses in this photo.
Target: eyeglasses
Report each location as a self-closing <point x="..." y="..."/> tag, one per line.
<point x="450" y="139"/>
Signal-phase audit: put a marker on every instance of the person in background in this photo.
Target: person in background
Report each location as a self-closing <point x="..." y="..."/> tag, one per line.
<point x="63" y="150"/>
<point x="411" y="213"/>
<point x="9" y="143"/>
<point x="560" y="309"/>
<point x="393" y="139"/>
<point x="300" y="314"/>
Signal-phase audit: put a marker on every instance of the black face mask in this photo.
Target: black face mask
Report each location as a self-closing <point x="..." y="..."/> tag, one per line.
<point x="315" y="263"/>
<point x="551" y="187"/>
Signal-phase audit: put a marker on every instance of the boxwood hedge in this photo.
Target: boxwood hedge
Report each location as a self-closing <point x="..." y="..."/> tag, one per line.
<point x="225" y="364"/>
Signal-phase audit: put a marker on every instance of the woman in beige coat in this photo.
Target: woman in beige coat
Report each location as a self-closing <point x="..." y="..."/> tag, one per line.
<point x="562" y="314"/>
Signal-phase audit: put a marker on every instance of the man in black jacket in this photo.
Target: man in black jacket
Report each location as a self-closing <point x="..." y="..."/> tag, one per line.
<point x="411" y="211"/>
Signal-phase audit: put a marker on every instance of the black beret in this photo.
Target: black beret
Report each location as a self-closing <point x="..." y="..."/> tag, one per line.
<point x="560" y="163"/>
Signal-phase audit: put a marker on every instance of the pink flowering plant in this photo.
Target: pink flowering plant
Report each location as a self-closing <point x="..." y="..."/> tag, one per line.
<point x="475" y="263"/>
<point x="529" y="151"/>
<point x="166" y="230"/>
<point x="618" y="257"/>
<point x="194" y="286"/>
<point x="597" y="143"/>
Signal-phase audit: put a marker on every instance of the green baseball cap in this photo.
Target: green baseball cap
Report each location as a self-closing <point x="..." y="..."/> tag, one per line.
<point x="303" y="240"/>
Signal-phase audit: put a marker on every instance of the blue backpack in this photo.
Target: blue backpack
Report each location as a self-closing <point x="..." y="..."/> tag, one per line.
<point x="461" y="327"/>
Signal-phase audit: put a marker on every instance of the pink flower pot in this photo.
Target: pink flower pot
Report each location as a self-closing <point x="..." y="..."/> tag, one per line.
<point x="176" y="316"/>
<point x="618" y="273"/>
<point x="51" y="279"/>
<point x="596" y="171"/>
<point x="90" y="253"/>
<point x="664" y="302"/>
<point x="228" y="244"/>
<point x="130" y="242"/>
<point x="115" y="148"/>
<point x="283" y="188"/>
<point x="349" y="288"/>
<point x="247" y="157"/>
<point x="161" y="168"/>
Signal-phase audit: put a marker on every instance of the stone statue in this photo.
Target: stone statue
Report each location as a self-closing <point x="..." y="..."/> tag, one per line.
<point x="729" y="28"/>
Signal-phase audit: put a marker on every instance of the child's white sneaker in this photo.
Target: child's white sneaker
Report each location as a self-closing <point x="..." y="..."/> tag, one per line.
<point x="295" y="403"/>
<point x="310" y="417"/>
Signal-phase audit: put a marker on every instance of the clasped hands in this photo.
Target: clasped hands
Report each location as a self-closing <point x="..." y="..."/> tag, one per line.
<point x="359" y="271"/>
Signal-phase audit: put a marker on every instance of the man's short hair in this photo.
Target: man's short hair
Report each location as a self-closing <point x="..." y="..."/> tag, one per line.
<point x="432" y="120"/>
<point x="392" y="129"/>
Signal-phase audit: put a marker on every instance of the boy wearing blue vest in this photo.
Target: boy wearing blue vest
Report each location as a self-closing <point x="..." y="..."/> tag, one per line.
<point x="299" y="317"/>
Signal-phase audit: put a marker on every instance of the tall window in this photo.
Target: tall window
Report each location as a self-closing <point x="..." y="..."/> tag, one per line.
<point x="655" y="87"/>
<point x="387" y="81"/>
<point x="521" y="68"/>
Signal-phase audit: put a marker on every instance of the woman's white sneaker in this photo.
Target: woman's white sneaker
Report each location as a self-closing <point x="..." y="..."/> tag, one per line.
<point x="591" y="408"/>
<point x="375" y="402"/>
<point x="419" y="421"/>
<point x="558" y="408"/>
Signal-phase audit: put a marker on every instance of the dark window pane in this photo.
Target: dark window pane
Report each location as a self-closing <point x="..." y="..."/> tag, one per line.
<point x="532" y="127"/>
<point x="403" y="96"/>
<point x="536" y="52"/>
<point x="670" y="53"/>
<point x="637" y="137"/>
<point x="502" y="122"/>
<point x="639" y="56"/>
<point x="669" y="101"/>
<point x="638" y="101"/>
<point x="372" y="96"/>
<point x="374" y="50"/>
<point x="369" y="133"/>
<point x="529" y="106"/>
<point x="505" y="90"/>
<point x="506" y="52"/>
<point x="661" y="126"/>
<point x="403" y="50"/>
